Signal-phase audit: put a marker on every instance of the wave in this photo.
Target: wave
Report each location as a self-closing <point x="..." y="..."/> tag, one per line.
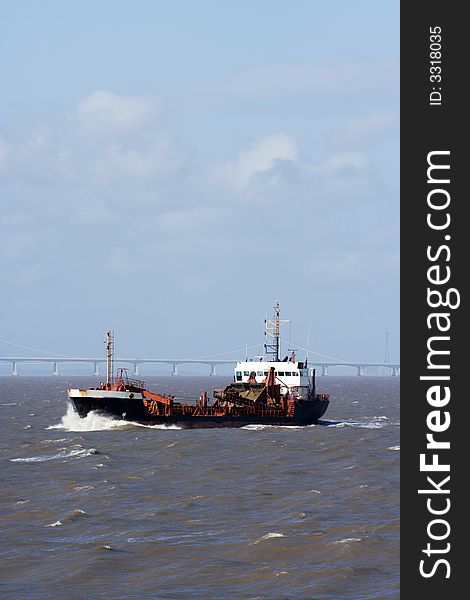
<point x="56" y="524"/>
<point x="158" y="426"/>
<point x="259" y="427"/>
<point x="269" y="536"/>
<point x="73" y="515"/>
<point x="375" y="423"/>
<point x="62" y="454"/>
<point x="71" y="421"/>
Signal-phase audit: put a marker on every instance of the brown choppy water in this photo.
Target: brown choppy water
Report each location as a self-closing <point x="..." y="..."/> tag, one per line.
<point x="91" y="509"/>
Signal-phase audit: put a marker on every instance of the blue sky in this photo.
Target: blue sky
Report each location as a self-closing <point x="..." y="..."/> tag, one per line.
<point x="170" y="169"/>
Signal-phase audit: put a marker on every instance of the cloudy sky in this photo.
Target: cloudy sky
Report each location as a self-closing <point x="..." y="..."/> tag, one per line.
<point x="170" y="169"/>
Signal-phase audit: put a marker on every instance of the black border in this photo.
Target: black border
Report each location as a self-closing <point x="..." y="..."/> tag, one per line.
<point x="425" y="128"/>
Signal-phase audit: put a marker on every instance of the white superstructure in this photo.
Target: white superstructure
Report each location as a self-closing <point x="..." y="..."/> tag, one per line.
<point x="291" y="375"/>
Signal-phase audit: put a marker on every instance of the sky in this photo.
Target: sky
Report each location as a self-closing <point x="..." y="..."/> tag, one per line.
<point x="168" y="170"/>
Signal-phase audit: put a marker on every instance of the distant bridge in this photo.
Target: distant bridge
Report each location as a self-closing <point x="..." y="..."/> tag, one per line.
<point x="393" y="368"/>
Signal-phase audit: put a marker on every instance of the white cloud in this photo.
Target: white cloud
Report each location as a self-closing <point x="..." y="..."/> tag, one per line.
<point x="260" y="157"/>
<point x="104" y="113"/>
<point x="130" y="200"/>
<point x="343" y="163"/>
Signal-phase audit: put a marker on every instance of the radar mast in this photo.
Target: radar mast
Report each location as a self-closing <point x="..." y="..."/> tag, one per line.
<point x="109" y="358"/>
<point x="272" y="343"/>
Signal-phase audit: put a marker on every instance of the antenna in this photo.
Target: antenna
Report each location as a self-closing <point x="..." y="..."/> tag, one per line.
<point x="272" y="342"/>
<point x="308" y="337"/>
<point x="109" y="357"/>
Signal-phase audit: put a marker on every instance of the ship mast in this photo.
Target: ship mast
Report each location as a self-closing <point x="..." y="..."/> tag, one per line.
<point x="109" y="357"/>
<point x="272" y="344"/>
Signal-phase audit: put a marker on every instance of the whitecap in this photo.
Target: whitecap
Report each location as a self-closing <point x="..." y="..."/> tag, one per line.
<point x="259" y="426"/>
<point x="158" y="426"/>
<point x="76" y="513"/>
<point x="62" y="454"/>
<point x="393" y="448"/>
<point x="56" y="524"/>
<point x="347" y="540"/>
<point x="364" y="425"/>
<point x="269" y="536"/>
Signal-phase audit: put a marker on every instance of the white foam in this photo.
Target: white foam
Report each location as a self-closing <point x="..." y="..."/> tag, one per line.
<point x="393" y="448"/>
<point x="56" y="524"/>
<point x="259" y="427"/>
<point x="59" y="455"/>
<point x="158" y="426"/>
<point x="268" y="536"/>
<point x="347" y="540"/>
<point x="364" y="425"/>
<point x="71" y="421"/>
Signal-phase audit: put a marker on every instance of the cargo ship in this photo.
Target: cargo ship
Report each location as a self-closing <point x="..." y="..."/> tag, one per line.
<point x="264" y="391"/>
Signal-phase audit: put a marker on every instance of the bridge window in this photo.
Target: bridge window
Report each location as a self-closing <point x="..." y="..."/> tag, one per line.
<point x="246" y="373"/>
<point x="265" y="373"/>
<point x="259" y="373"/>
<point x="288" y="373"/>
<point x="295" y="373"/>
<point x="281" y="373"/>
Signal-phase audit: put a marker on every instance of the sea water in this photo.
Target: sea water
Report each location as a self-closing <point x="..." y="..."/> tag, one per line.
<point x="96" y="508"/>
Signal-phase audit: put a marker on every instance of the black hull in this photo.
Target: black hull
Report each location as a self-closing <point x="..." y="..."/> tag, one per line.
<point x="307" y="412"/>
